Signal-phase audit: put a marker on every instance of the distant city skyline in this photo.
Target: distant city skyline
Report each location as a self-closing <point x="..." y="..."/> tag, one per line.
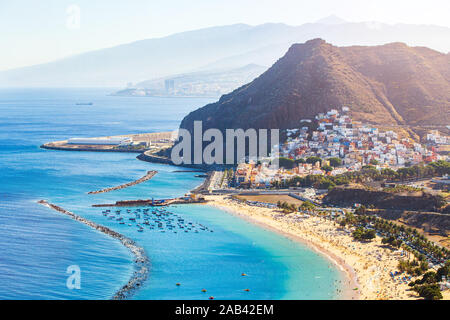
<point x="38" y="32"/>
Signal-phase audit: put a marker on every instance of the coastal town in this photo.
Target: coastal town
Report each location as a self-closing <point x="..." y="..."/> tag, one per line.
<point x="333" y="144"/>
<point x="338" y="184"/>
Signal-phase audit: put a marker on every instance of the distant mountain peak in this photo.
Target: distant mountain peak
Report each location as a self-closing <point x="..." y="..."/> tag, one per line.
<point x="315" y="42"/>
<point x="216" y="48"/>
<point x="396" y="45"/>
<point x="309" y="46"/>
<point x="330" y="20"/>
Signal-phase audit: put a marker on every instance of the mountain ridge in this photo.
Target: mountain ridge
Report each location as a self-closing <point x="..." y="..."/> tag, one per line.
<point x="391" y="84"/>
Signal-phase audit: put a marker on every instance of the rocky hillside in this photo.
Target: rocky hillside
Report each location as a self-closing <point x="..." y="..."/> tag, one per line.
<point x="420" y="201"/>
<point x="214" y="48"/>
<point x="388" y="84"/>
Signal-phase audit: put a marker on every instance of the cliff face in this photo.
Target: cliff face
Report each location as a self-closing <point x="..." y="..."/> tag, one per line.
<point x="388" y="84"/>
<point x="430" y="222"/>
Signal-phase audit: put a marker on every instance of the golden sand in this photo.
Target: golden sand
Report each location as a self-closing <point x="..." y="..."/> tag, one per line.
<point x="367" y="265"/>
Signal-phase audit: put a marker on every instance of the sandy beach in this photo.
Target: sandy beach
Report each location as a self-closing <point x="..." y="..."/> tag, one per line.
<point x="367" y="265"/>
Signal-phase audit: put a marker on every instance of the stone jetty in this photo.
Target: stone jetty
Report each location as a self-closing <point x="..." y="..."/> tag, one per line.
<point x="141" y="260"/>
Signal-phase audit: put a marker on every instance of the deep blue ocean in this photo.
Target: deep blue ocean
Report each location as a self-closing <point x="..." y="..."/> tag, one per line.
<point x="37" y="244"/>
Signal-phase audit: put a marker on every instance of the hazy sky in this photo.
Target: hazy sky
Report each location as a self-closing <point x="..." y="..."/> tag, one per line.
<point x="33" y="31"/>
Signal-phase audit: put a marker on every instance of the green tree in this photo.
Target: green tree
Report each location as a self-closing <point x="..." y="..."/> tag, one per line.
<point x="389" y="174"/>
<point x="429" y="291"/>
<point x="286" y="163"/>
<point x="313" y="160"/>
<point x="335" y="162"/>
<point x="443" y="271"/>
<point x="361" y="210"/>
<point x="440" y="167"/>
<point x="307" y="205"/>
<point x="327" y="169"/>
<point x="362" y="234"/>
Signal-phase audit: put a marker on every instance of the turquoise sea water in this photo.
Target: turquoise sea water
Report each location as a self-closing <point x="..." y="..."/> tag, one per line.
<point x="37" y="244"/>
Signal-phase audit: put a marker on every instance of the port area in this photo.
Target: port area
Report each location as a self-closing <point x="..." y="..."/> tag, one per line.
<point x="190" y="199"/>
<point x="136" y="143"/>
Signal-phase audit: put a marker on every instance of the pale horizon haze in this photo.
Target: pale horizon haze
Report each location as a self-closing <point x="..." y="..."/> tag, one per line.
<point x="35" y="32"/>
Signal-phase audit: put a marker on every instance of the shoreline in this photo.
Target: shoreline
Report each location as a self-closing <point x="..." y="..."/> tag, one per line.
<point x="347" y="291"/>
<point x="366" y="267"/>
<point x="154" y="138"/>
<point x="141" y="260"/>
<point x="349" y="273"/>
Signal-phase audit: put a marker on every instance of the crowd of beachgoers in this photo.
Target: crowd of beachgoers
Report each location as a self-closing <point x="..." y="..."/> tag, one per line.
<point x="372" y="267"/>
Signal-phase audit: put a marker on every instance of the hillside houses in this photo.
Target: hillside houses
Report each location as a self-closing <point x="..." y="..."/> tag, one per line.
<point x="357" y="144"/>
